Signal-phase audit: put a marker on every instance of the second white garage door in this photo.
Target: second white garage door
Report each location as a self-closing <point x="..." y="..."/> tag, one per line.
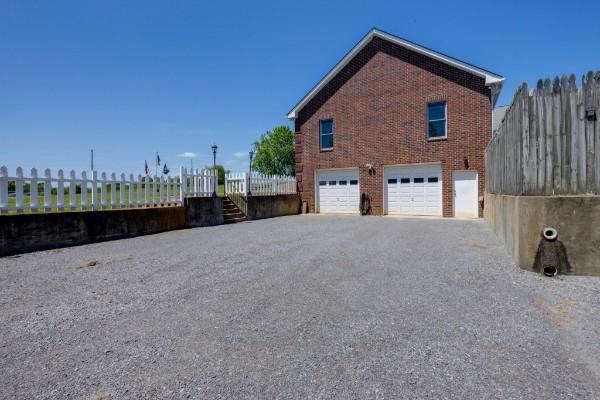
<point x="415" y="189"/>
<point x="338" y="191"/>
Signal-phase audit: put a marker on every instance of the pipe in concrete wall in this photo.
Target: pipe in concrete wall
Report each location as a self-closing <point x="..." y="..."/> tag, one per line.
<point x="550" y="270"/>
<point x="550" y="234"/>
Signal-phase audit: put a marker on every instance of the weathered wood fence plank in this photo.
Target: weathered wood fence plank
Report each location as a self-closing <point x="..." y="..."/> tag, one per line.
<point x="549" y="140"/>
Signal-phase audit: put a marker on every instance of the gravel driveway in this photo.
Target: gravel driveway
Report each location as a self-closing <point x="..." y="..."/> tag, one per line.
<point x="296" y="307"/>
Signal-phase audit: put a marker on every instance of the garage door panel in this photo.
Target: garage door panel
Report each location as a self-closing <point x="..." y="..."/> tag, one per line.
<point x="414" y="190"/>
<point x="338" y="191"/>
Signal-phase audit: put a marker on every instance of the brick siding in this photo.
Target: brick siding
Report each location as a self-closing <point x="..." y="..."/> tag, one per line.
<point x="378" y="103"/>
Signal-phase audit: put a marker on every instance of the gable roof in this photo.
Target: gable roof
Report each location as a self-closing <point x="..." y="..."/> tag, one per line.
<point x="493" y="80"/>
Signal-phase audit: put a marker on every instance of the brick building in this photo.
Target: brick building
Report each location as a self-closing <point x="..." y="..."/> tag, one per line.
<point x="403" y="124"/>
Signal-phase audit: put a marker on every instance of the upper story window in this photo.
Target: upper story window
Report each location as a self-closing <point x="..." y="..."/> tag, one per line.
<point x="326" y="134"/>
<point x="436" y="120"/>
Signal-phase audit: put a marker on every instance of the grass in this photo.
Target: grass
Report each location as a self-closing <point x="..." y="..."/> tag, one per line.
<point x="54" y="202"/>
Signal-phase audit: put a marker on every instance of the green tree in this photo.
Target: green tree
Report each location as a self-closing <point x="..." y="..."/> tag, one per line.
<point x="220" y="173"/>
<point x="275" y="152"/>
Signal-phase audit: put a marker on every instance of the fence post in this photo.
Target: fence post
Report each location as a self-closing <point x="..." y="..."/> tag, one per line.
<point x="199" y="182"/>
<point x="83" y="194"/>
<point x="139" y="191"/>
<point x="169" y="191"/>
<point x="131" y="188"/>
<point x="146" y="190"/>
<point x="60" y="191"/>
<point x="161" y="190"/>
<point x="183" y="182"/>
<point x="47" y="190"/>
<point x="3" y="190"/>
<point x="19" y="190"/>
<point x="33" y="191"/>
<point x="94" y="190"/>
<point x="113" y="190"/>
<point x="103" y="194"/>
<point x="161" y="194"/>
<point x="122" y="191"/>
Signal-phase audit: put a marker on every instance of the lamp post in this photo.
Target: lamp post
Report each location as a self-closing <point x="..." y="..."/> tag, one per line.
<point x="214" y="151"/>
<point x="251" y="154"/>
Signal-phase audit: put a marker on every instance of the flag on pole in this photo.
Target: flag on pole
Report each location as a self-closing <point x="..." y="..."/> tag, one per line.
<point x="146" y="169"/>
<point x="166" y="170"/>
<point x="157" y="159"/>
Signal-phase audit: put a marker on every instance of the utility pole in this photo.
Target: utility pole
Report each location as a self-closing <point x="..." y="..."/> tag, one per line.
<point x="91" y="159"/>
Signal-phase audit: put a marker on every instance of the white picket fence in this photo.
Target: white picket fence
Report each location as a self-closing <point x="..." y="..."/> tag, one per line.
<point x="238" y="183"/>
<point x="99" y="192"/>
<point x="198" y="182"/>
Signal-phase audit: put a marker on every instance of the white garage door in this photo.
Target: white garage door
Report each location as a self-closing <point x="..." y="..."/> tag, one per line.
<point x="414" y="189"/>
<point x="337" y="191"/>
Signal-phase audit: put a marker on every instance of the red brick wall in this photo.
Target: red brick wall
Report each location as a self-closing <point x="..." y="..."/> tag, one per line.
<point x="379" y="103"/>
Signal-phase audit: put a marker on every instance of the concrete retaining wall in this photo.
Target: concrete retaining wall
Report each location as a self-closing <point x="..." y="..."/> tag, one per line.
<point x="203" y="211"/>
<point x="31" y="232"/>
<point x="259" y="207"/>
<point x="519" y="221"/>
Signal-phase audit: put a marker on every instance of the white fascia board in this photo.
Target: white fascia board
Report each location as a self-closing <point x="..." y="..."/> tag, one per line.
<point x="491" y="79"/>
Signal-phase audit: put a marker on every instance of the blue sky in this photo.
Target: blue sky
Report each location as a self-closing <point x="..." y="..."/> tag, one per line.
<point x="130" y="78"/>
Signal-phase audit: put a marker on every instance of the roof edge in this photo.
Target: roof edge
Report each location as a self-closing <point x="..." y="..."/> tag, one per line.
<point x="492" y="79"/>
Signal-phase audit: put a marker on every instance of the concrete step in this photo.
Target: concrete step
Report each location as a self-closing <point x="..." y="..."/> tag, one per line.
<point x="234" y="220"/>
<point x="231" y="212"/>
<point x="233" y="215"/>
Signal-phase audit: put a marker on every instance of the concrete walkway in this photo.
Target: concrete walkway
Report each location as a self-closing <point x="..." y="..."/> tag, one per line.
<point x="296" y="307"/>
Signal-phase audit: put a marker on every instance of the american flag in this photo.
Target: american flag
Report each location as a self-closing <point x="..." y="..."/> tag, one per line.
<point x="146" y="169"/>
<point x="157" y="159"/>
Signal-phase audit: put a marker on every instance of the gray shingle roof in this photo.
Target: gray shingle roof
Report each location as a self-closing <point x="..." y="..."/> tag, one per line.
<point x="497" y="116"/>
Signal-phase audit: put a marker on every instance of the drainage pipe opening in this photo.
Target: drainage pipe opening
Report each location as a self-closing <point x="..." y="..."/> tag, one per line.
<point x="550" y="233"/>
<point x="550" y="270"/>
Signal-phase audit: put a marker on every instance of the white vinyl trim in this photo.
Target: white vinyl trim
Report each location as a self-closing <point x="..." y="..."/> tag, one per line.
<point x="429" y="138"/>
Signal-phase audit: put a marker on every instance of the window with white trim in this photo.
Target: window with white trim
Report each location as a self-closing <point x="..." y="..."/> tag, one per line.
<point x="436" y="120"/>
<point x="326" y="134"/>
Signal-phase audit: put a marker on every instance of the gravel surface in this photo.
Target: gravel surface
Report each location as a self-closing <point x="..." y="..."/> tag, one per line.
<point x="296" y="307"/>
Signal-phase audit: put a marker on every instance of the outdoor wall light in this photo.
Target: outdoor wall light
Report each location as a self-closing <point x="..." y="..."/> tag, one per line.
<point x="590" y="114"/>
<point x="371" y="169"/>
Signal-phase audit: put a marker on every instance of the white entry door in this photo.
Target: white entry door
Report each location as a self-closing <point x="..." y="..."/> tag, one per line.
<point x="338" y="191"/>
<point x="413" y="189"/>
<point x="465" y="194"/>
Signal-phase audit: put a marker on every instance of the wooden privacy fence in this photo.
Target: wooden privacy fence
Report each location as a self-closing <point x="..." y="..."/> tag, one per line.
<point x="549" y="140"/>
<point x="32" y="193"/>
